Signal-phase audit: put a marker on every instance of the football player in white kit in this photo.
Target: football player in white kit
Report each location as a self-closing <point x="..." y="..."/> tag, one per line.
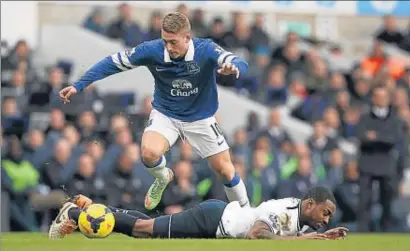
<point x="286" y="218"/>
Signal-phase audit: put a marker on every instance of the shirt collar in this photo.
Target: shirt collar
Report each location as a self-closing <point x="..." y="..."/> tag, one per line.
<point x="189" y="56"/>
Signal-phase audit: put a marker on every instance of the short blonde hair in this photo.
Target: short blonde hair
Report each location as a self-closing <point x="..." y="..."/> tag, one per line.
<point x="175" y="22"/>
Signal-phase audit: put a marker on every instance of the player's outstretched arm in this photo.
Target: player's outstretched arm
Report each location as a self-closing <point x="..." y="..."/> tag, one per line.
<point x="261" y="230"/>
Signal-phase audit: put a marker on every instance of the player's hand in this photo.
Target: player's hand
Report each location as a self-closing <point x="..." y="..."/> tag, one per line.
<point x="314" y="236"/>
<point x="229" y="69"/>
<point x="67" y="93"/>
<point x="337" y="233"/>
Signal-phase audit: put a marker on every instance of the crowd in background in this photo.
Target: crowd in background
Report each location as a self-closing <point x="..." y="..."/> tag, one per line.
<point x="83" y="148"/>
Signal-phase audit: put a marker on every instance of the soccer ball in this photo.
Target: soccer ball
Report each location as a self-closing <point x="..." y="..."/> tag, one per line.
<point x="96" y="221"/>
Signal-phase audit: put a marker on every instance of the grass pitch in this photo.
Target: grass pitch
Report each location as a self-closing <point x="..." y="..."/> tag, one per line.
<point x="77" y="242"/>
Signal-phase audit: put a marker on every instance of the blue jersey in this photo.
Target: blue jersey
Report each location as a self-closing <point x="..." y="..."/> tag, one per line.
<point x="185" y="89"/>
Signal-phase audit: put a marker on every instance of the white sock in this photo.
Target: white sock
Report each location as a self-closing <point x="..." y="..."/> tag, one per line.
<point x="236" y="191"/>
<point x="158" y="170"/>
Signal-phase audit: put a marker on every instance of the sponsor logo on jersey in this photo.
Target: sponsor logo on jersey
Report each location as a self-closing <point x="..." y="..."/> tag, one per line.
<point x="183" y="88"/>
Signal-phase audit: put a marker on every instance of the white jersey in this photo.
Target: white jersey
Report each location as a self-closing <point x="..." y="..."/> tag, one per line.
<point x="282" y="216"/>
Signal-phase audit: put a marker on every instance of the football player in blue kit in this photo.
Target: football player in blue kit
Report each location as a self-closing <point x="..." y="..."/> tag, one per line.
<point x="184" y="104"/>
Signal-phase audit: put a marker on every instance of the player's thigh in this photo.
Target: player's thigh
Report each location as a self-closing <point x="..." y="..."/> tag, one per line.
<point x="206" y="137"/>
<point x="159" y="135"/>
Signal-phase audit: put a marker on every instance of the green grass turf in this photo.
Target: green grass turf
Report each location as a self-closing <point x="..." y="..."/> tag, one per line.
<point x="77" y="242"/>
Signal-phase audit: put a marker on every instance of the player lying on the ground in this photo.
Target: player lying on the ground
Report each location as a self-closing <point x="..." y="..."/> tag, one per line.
<point x="285" y="218"/>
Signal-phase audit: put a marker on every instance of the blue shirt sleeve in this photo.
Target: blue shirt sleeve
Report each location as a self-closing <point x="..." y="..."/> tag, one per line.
<point x="118" y="62"/>
<point x="221" y="56"/>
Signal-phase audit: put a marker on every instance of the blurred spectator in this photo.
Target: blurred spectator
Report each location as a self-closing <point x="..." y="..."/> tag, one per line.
<point x="390" y="33"/>
<point x="199" y="28"/>
<point x="361" y="92"/>
<point x="332" y="122"/>
<point x="400" y="98"/>
<point x="275" y="131"/>
<point x="351" y="118"/>
<point x="57" y="122"/>
<point x="261" y="178"/>
<point x="337" y="83"/>
<point x="297" y="86"/>
<point x="259" y="38"/>
<point x="240" y="147"/>
<point x="125" y="186"/>
<point x="275" y="92"/>
<point x="342" y="102"/>
<point x="95" y="149"/>
<point x="378" y="132"/>
<point x="260" y="61"/>
<point x="12" y="121"/>
<point x="51" y="171"/>
<point x="54" y="84"/>
<point x="320" y="142"/>
<point x="125" y="28"/>
<point x="239" y="38"/>
<point x="181" y="193"/>
<point x="86" y="182"/>
<point x="87" y="125"/>
<point x="19" y="178"/>
<point x="183" y="8"/>
<point x="292" y="58"/>
<point x="19" y="58"/>
<point x="71" y="134"/>
<point x="154" y="30"/>
<point x="122" y="140"/>
<point x="378" y="62"/>
<point x="335" y="168"/>
<point x="217" y="31"/>
<point x="20" y="88"/>
<point x="347" y="194"/>
<point x="278" y="53"/>
<point x="95" y="21"/>
<point x="35" y="139"/>
<point x="300" y="181"/>
<point x="317" y="80"/>
<point x="252" y="124"/>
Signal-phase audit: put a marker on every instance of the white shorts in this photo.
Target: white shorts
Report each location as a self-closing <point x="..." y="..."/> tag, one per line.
<point x="205" y="135"/>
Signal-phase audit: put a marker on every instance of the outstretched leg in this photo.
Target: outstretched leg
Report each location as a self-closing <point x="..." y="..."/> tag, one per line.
<point x="136" y="225"/>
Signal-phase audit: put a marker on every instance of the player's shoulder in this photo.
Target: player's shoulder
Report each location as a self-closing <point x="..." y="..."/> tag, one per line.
<point x="285" y="203"/>
<point x="153" y="45"/>
<point x="203" y="43"/>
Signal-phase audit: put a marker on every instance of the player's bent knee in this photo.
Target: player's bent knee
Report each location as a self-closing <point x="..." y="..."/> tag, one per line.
<point x="153" y="146"/>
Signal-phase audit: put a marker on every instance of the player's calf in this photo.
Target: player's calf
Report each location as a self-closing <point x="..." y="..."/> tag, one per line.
<point x="234" y="187"/>
<point x="153" y="147"/>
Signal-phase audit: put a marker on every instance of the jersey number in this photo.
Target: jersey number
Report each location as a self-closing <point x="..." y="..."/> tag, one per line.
<point x="217" y="130"/>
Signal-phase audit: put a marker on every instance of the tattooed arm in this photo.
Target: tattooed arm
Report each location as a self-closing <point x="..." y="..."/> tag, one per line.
<point x="261" y="230"/>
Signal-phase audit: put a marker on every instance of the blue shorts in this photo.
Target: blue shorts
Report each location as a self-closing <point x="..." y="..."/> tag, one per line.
<point x="200" y="222"/>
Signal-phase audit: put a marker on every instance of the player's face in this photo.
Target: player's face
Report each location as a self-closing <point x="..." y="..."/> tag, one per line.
<point x="176" y="43"/>
<point x="321" y="213"/>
